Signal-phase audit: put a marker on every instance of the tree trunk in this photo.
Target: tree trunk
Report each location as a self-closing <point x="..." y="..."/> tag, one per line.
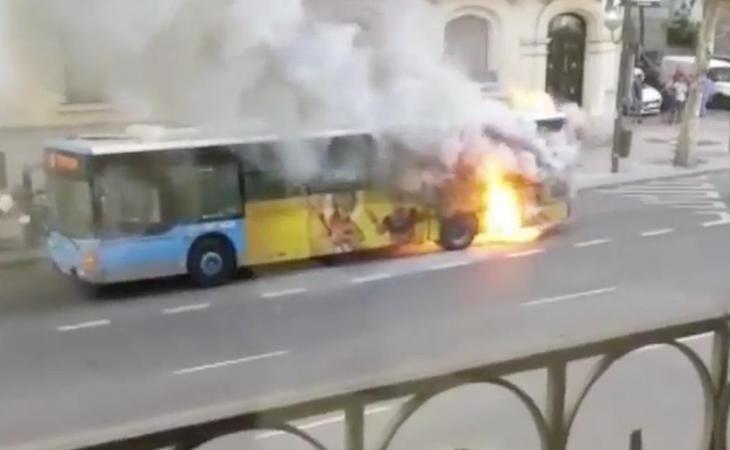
<point x="703" y="52"/>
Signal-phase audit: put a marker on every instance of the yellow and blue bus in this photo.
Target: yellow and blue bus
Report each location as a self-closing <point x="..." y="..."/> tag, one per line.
<point x="132" y="207"/>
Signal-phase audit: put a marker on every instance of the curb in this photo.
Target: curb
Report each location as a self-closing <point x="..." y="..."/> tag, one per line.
<point x="17" y="258"/>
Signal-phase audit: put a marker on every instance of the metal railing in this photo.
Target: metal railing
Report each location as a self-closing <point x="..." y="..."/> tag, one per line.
<point x="553" y="423"/>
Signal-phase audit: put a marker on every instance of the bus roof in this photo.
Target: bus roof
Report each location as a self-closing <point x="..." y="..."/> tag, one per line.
<point x="149" y="138"/>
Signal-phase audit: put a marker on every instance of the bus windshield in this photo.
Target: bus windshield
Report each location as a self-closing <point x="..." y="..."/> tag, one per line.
<point x="70" y="205"/>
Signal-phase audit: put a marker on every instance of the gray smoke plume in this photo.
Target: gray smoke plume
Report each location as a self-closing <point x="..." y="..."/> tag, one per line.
<point x="221" y="61"/>
<point x="227" y="63"/>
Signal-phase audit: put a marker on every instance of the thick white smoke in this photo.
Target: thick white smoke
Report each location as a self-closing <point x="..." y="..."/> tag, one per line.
<point x="8" y="76"/>
<point x="227" y="63"/>
<point x="216" y="61"/>
<point x="21" y="93"/>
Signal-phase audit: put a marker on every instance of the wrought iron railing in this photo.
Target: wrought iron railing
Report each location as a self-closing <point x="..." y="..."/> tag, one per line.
<point x="553" y="423"/>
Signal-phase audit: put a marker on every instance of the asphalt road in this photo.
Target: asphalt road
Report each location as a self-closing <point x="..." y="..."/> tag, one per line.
<point x="71" y="366"/>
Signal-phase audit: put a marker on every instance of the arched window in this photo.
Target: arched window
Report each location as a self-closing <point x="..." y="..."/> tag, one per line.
<point x="466" y="43"/>
<point x="566" y="55"/>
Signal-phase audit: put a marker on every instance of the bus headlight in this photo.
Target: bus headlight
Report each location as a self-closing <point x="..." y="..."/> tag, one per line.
<point x="90" y="263"/>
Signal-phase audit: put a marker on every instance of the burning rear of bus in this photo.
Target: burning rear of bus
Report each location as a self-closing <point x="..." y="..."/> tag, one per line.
<point x="508" y="186"/>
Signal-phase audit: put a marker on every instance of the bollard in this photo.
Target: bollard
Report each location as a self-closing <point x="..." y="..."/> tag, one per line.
<point x="625" y="139"/>
<point x="3" y="172"/>
<point x="635" y="442"/>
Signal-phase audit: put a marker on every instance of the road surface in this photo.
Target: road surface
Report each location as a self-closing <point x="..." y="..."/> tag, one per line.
<point x="70" y="366"/>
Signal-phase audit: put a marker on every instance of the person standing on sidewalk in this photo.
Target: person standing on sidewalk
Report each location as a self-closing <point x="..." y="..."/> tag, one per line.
<point x="680" y="97"/>
<point x="669" y="100"/>
<point x="708" y="91"/>
<point x="637" y="95"/>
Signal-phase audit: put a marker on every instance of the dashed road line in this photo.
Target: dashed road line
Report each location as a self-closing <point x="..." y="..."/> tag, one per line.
<point x="591" y="243"/>
<point x="534" y="251"/>
<point x="186" y="308"/>
<point x="283" y="292"/>
<point x="322" y="422"/>
<point x="449" y="265"/>
<point x="724" y="219"/>
<point x="658" y="232"/>
<point x="231" y="362"/>
<point x="85" y="325"/>
<point x="561" y="298"/>
<point x="372" y="277"/>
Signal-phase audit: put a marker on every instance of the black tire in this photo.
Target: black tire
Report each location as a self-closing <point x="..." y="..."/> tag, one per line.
<point x="458" y="232"/>
<point x="211" y="262"/>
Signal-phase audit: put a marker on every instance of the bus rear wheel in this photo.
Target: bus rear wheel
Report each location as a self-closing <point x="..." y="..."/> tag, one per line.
<point x="211" y="262"/>
<point x="458" y="232"/>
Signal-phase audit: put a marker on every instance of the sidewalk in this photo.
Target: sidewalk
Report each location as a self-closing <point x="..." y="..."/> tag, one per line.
<point x="652" y="152"/>
<point x="12" y="249"/>
<point x="651" y="157"/>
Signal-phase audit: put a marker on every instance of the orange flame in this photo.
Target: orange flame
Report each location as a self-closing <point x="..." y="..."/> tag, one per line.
<point x="503" y="216"/>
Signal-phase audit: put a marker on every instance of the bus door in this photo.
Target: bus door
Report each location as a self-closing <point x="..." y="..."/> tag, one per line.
<point x="275" y="209"/>
<point x="136" y="239"/>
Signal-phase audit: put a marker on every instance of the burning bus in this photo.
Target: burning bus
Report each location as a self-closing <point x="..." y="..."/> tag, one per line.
<point x="147" y="205"/>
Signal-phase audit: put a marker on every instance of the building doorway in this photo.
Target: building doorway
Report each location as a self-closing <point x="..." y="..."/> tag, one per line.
<point x="566" y="57"/>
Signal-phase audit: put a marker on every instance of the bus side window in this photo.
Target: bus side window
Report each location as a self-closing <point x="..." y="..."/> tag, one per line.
<point x="263" y="171"/>
<point x="347" y="164"/>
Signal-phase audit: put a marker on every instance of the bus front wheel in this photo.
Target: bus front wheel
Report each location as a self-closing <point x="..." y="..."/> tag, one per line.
<point x="458" y="232"/>
<point x="211" y="262"/>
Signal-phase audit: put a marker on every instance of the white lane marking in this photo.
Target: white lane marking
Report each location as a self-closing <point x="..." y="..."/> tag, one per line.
<point x="84" y="325"/>
<point x="372" y="277"/>
<point x="323" y="422"/>
<point x="231" y="362"/>
<point x="723" y="220"/>
<point x="186" y="308"/>
<point x="657" y="232"/>
<point x="591" y="243"/>
<point x="560" y="298"/>
<point x="522" y="254"/>
<point x="283" y="292"/>
<point x="448" y="265"/>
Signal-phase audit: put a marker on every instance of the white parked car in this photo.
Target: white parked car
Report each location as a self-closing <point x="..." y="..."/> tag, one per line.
<point x="651" y="99"/>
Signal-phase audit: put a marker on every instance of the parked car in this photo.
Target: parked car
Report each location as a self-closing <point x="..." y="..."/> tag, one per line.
<point x="651" y="98"/>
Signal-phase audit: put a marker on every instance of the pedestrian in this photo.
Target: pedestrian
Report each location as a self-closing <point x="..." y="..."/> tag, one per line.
<point x="637" y="95"/>
<point x="708" y="91"/>
<point x="669" y="100"/>
<point x="681" y="88"/>
<point x="6" y="204"/>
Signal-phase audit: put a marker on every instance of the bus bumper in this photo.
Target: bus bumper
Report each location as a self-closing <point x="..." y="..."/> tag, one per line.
<point x="76" y="258"/>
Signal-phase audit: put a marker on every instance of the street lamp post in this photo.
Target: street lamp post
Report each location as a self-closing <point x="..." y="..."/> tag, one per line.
<point x="612" y="21"/>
